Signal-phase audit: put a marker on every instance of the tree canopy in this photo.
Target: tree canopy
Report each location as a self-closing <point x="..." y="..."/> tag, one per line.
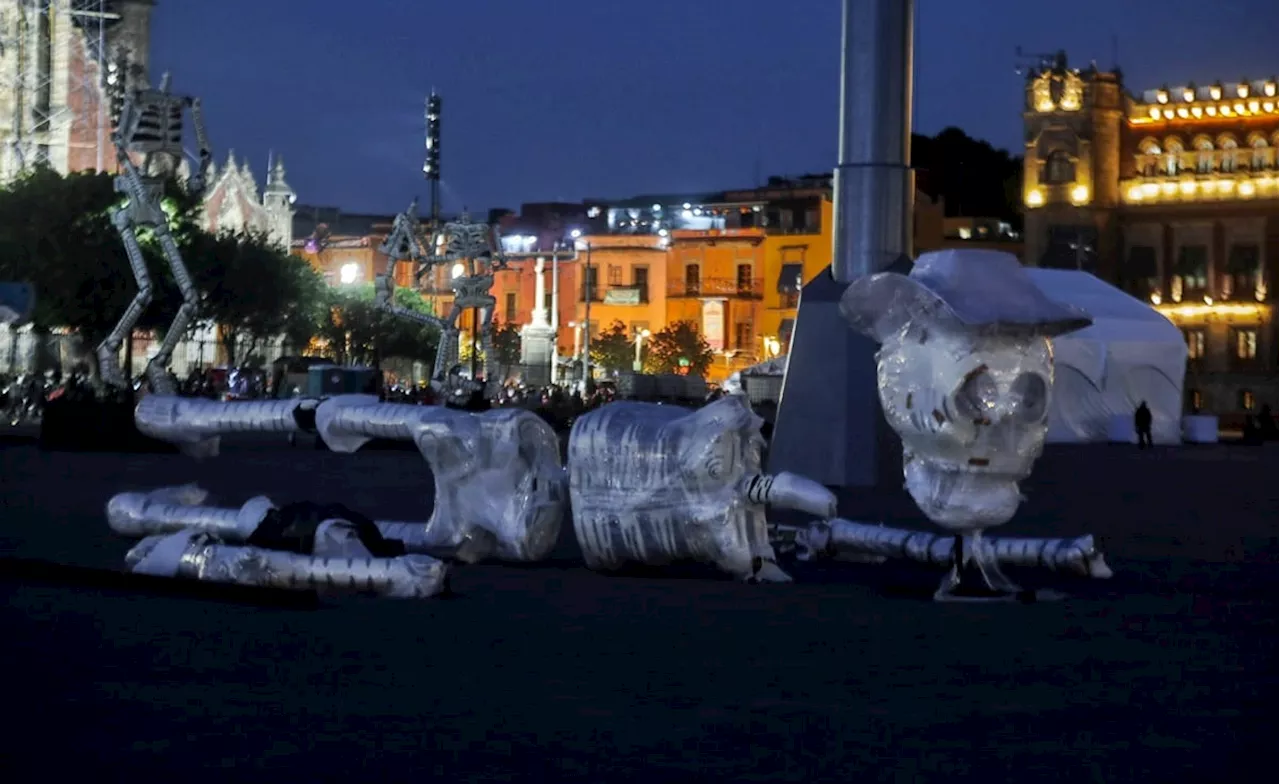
<point x="970" y="176"/>
<point x="612" y="349"/>
<point x="357" y="332"/>
<point x="679" y="348"/>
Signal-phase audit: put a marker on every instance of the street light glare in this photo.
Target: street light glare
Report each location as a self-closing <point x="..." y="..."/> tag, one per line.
<point x="576" y="233"/>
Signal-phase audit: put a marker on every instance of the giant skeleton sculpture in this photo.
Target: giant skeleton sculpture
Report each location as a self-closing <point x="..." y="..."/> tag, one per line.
<point x="963" y="379"/>
<point x="150" y="126"/>
<point x="477" y="248"/>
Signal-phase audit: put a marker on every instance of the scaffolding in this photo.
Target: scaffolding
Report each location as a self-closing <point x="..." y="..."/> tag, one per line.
<point x="54" y="66"/>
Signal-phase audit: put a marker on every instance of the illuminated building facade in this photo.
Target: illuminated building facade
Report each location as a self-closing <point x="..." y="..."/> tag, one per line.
<point x="1172" y="195"/>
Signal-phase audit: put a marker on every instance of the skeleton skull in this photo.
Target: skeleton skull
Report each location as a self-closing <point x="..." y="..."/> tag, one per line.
<point x="972" y="412"/>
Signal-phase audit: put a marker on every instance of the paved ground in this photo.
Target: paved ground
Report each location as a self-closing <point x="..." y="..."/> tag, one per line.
<point x="551" y="673"/>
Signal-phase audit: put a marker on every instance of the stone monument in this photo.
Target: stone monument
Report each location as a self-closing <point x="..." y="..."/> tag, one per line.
<point x="538" y="337"/>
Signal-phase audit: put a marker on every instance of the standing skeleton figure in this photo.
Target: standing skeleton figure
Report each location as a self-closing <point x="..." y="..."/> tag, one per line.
<point x="151" y="126"/>
<point x="477" y="248"/>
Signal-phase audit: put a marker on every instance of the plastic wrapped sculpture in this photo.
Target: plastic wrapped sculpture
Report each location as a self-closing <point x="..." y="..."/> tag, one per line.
<point x="151" y="127"/>
<point x="499" y="482"/>
<point x="965" y="369"/>
<point x="653" y="484"/>
<point x="329" y="549"/>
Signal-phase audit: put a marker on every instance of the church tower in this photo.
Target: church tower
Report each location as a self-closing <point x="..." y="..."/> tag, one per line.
<point x="129" y="38"/>
<point x="277" y="201"/>
<point x="1071" y="164"/>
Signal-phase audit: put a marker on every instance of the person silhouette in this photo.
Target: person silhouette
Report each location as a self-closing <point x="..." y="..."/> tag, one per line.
<point x="1142" y="424"/>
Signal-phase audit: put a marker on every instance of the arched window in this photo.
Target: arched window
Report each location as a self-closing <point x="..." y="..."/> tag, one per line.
<point x="1259" y="154"/>
<point x="1148" y="156"/>
<point x="1229" y="152"/>
<point x="1058" y="169"/>
<point x="1204" y="154"/>
<point x="1173" y="157"/>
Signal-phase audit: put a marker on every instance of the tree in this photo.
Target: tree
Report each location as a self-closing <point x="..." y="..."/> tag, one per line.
<point x="254" y="291"/>
<point x="506" y="346"/>
<point x="612" y="349"/>
<point x="358" y="332"/>
<point x="678" y="347"/>
<point x="972" y="177"/>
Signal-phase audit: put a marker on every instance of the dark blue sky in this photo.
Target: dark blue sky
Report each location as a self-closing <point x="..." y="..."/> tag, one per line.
<point x="567" y="99"/>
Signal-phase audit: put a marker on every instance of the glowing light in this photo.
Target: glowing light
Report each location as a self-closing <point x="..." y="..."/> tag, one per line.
<point x="1225" y="110"/>
<point x="1218" y="309"/>
<point x="1215" y="92"/>
<point x="349" y="273"/>
<point x="1188" y="95"/>
<point x="1162" y="97"/>
<point x="1239" y="108"/>
<point x="1035" y="198"/>
<point x="1254" y="106"/>
<point x="1242" y="90"/>
<point x="1269" y="89"/>
<point x="1196" y="111"/>
<point x="1226" y="186"/>
<point x="1208" y="300"/>
<point x="1135" y="193"/>
<point x="1155" y="299"/>
<point x="1169" y="188"/>
<point x="1246" y="189"/>
<point x="1187" y="187"/>
<point x="1212" y="111"/>
<point x="1154" y="112"/>
<point x="1168" y="114"/>
<point x="1268" y="107"/>
<point x="1182" y="112"/>
<point x="458" y="270"/>
<point x="576" y="233"/>
<point x="1150" y="189"/>
<point x="1079" y="194"/>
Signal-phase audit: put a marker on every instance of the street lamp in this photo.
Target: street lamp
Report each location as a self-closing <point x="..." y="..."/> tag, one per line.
<point x="640" y="336"/>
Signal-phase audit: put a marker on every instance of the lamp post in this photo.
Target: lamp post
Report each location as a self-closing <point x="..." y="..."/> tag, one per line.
<point x="640" y="336"/>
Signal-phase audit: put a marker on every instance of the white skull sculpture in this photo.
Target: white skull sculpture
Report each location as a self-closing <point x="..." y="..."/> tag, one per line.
<point x="964" y="371"/>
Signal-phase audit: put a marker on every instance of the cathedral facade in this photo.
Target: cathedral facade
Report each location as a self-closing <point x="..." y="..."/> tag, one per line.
<point x="1171" y="194"/>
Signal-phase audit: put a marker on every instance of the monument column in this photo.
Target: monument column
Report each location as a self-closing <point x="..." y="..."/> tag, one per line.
<point x="830" y="427"/>
<point x="537" y="338"/>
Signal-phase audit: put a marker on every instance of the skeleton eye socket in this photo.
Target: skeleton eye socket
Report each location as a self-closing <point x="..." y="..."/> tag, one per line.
<point x="1030" y="394"/>
<point x="978" y="395"/>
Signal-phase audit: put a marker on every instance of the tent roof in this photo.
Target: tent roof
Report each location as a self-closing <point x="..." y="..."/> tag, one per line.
<point x="1116" y="315"/>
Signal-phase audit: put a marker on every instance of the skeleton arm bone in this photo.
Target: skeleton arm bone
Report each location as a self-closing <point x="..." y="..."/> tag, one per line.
<point x="841" y="538"/>
<point x="194" y="425"/>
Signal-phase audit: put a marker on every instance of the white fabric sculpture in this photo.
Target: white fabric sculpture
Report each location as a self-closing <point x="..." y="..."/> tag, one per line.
<point x="964" y="369"/>
<point x="654" y="484"/>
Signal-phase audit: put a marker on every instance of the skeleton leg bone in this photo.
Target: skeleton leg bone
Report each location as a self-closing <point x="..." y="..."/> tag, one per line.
<point x="158" y="367"/>
<point x="109" y="349"/>
<point x="194" y="425"/>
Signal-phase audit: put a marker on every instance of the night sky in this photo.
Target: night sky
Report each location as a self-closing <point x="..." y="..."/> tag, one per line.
<point x="571" y="99"/>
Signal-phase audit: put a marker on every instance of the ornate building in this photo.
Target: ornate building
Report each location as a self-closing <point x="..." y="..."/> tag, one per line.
<point x="1171" y="195"/>
<point x="232" y="202"/>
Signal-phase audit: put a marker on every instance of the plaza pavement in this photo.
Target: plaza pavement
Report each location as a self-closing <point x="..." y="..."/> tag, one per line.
<point x="551" y="673"/>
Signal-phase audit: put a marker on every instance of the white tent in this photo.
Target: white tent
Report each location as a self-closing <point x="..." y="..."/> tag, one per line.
<point x="1130" y="354"/>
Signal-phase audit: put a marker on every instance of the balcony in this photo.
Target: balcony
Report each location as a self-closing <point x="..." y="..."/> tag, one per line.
<point x="751" y="288"/>
<point x="626" y="295"/>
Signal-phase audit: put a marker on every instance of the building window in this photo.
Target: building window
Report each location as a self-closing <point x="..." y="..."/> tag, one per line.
<point x="512" y="316"/>
<point x="1204" y="156"/>
<point x="1150" y="153"/>
<point x="615" y="275"/>
<point x="742" y="335"/>
<point x="744" y="279"/>
<point x="1194" y="400"/>
<point x="1195" y="343"/>
<point x="692" y="279"/>
<point x="1142" y="274"/>
<point x="589" y="283"/>
<point x="1071" y="247"/>
<point x="1193" y="270"/>
<point x="640" y="279"/>
<point x="1244" y="345"/>
<point x="1058" y="169"/>
<point x="1247" y="401"/>
<point x="1242" y="271"/>
<point x="1173" y="158"/>
<point x="1260" y="159"/>
<point x="1229" y="151"/>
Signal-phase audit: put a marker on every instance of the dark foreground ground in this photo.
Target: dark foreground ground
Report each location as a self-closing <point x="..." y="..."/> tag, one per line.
<point x="1166" y="673"/>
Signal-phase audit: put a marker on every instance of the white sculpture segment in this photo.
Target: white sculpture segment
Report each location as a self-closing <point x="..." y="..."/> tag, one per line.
<point x="654" y="484"/>
<point x="499" y="482"/>
<point x="151" y="127"/>
<point x="965" y="370"/>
